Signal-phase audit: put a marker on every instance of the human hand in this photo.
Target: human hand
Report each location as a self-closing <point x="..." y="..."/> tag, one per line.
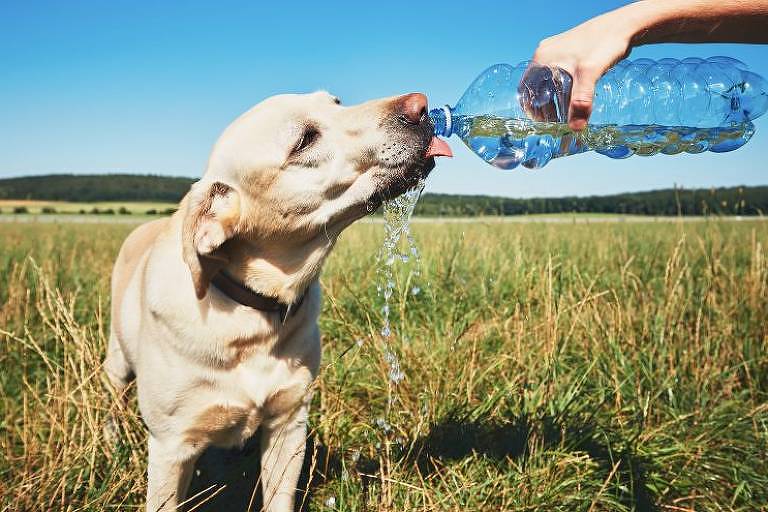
<point x="585" y="52"/>
<point x="588" y="50"/>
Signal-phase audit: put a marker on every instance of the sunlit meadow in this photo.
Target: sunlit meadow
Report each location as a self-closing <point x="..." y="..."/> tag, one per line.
<point x="594" y="367"/>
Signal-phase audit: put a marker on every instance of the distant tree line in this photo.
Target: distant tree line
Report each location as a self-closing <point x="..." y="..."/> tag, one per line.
<point x="49" y="210"/>
<point x="137" y="188"/>
<point x="714" y="201"/>
<point x="96" y="188"/>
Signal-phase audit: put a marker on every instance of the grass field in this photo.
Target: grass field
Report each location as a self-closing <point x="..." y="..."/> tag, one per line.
<point x="547" y="367"/>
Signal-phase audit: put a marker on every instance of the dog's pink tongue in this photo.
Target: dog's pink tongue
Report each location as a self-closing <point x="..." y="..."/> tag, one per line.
<point x="438" y="147"/>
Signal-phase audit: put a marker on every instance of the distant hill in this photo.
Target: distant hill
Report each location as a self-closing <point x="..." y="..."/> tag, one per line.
<point x="711" y="201"/>
<point x="138" y="188"/>
<point x="96" y="187"/>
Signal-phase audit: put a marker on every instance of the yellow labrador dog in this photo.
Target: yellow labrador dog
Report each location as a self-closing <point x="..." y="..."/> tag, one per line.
<point x="214" y="310"/>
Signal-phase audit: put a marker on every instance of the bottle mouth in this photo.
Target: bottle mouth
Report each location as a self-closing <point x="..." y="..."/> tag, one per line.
<point x="442" y="121"/>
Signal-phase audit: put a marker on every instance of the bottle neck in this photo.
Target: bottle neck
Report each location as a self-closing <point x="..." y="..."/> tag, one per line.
<point x="442" y="120"/>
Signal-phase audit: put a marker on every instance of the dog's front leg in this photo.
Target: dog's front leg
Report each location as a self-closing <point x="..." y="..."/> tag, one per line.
<point x="169" y="473"/>
<point x="282" y="454"/>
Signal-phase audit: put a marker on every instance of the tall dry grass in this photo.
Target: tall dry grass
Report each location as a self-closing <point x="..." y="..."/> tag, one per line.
<point x="548" y="367"/>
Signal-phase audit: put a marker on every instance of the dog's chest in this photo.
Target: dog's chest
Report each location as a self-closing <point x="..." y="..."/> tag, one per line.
<point x="263" y="390"/>
<point x="260" y="379"/>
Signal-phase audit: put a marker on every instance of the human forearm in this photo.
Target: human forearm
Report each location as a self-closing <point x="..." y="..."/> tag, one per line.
<point x="694" y="21"/>
<point x="587" y="50"/>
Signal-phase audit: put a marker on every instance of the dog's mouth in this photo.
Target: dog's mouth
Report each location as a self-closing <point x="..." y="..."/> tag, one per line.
<point x="405" y="177"/>
<point x="393" y="179"/>
<point x="399" y="180"/>
<point x="407" y="160"/>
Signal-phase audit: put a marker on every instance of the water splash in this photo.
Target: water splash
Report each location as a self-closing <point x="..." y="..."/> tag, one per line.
<point x="399" y="247"/>
<point x="396" y="375"/>
<point x="397" y="217"/>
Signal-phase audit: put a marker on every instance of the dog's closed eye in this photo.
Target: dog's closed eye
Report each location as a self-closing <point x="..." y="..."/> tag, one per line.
<point x="309" y="136"/>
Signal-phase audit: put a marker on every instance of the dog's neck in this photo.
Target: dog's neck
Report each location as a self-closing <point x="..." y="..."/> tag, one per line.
<point x="278" y="271"/>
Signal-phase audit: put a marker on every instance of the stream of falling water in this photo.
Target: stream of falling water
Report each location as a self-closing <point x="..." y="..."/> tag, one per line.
<point x="398" y="247"/>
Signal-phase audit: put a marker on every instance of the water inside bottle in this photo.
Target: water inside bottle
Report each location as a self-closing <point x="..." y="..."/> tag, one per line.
<point x="509" y="142"/>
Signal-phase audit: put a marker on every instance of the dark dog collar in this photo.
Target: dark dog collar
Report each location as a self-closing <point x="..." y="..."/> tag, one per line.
<point x="241" y="294"/>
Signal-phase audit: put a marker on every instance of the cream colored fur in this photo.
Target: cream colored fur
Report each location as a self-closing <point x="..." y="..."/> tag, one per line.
<point x="209" y="370"/>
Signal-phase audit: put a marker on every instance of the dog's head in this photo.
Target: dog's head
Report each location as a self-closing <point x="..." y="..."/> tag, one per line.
<point x="295" y="170"/>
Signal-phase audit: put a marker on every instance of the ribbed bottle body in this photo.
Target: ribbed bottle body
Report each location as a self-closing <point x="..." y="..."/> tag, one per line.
<point x="514" y="115"/>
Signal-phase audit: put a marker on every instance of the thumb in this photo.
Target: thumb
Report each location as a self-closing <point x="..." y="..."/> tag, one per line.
<point x="582" y="95"/>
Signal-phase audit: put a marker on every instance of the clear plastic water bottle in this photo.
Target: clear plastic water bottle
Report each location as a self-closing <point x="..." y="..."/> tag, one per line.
<point x="513" y="115"/>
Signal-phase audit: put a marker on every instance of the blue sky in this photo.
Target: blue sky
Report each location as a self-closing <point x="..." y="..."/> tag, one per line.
<point x="146" y="87"/>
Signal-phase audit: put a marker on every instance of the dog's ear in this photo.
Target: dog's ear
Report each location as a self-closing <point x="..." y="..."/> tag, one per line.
<point x="211" y="216"/>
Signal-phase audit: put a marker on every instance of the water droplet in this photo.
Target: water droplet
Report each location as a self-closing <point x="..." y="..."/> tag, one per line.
<point x="383" y="425"/>
<point x="415" y="290"/>
<point x="330" y="502"/>
<point x="386" y="331"/>
<point x="396" y="375"/>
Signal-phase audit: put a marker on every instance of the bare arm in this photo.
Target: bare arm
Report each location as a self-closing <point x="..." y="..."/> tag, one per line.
<point x="699" y="21"/>
<point x="588" y="50"/>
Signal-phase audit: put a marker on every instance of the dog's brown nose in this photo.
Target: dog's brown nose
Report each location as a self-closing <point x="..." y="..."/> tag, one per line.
<point x="412" y="107"/>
